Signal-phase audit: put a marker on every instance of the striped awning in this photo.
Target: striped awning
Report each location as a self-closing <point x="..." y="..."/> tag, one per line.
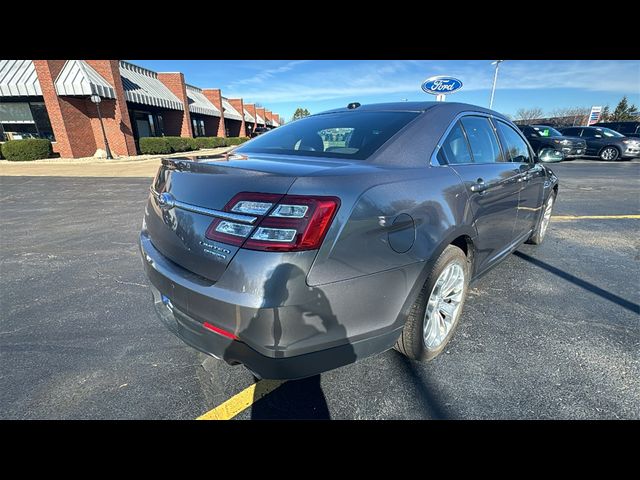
<point x="198" y="103"/>
<point x="259" y="119"/>
<point x="142" y="86"/>
<point x="248" y="117"/>
<point x="229" y="111"/>
<point x="18" y="78"/>
<point x="77" y="77"/>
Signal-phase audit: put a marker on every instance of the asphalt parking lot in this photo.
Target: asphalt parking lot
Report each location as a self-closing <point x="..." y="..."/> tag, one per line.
<point x="551" y="333"/>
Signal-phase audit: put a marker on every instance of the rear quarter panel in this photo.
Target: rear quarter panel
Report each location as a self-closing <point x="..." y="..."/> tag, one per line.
<point x="387" y="220"/>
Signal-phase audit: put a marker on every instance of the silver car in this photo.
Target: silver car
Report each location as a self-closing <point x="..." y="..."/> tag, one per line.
<point x="340" y="235"/>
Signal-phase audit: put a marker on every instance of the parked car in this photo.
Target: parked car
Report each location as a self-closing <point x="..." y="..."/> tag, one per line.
<point x="292" y="256"/>
<point x="259" y="131"/>
<point x="605" y="143"/>
<point x="542" y="136"/>
<point x="628" y="129"/>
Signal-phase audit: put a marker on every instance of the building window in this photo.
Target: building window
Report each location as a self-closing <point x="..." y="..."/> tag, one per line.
<point x="20" y="120"/>
<point x="148" y="124"/>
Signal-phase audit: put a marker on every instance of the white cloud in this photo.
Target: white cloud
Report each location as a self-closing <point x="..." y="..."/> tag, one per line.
<point x="267" y="74"/>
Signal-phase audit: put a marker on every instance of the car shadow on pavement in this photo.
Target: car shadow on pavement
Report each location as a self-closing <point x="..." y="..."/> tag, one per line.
<point x="295" y="399"/>
<point x="431" y="406"/>
<point x="612" y="297"/>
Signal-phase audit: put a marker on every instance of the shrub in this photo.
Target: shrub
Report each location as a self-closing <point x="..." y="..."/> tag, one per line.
<point x="28" y="149"/>
<point x="179" y="144"/>
<point x="154" y="145"/>
<point x="211" y="142"/>
<point x="236" y="140"/>
<point x="193" y="144"/>
<point x="206" y="142"/>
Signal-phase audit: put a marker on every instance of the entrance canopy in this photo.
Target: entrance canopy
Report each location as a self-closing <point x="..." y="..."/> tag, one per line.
<point x="77" y="77"/>
<point x="142" y="86"/>
<point x="198" y="103"/>
<point x="18" y="79"/>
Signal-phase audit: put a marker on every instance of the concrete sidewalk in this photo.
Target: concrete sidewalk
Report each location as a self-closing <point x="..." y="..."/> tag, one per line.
<point x="137" y="166"/>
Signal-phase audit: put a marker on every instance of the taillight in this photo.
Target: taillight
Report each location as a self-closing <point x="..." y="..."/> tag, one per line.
<point x="285" y="222"/>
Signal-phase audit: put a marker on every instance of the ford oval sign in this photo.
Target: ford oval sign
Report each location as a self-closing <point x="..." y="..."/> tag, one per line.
<point x="441" y="85"/>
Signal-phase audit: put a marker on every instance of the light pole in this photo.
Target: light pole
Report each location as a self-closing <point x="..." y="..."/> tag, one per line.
<point x="96" y="99"/>
<point x="495" y="79"/>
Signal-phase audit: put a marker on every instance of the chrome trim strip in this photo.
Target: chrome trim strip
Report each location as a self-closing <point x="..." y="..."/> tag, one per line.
<point x="234" y="217"/>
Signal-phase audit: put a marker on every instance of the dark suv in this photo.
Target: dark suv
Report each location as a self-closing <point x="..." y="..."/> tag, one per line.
<point x="259" y="131"/>
<point x="629" y="129"/>
<point x="605" y="143"/>
<point x="542" y="136"/>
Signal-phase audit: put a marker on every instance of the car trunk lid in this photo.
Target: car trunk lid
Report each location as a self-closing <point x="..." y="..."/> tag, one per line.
<point x="191" y="190"/>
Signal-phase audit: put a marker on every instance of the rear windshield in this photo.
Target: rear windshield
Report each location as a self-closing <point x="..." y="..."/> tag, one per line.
<point x="340" y="135"/>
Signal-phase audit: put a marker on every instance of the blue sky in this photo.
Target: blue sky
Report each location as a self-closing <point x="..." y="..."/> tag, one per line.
<point x="284" y="85"/>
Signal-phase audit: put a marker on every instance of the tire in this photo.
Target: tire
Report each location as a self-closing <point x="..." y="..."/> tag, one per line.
<point x="412" y="342"/>
<point x="609" y="154"/>
<point x="540" y="231"/>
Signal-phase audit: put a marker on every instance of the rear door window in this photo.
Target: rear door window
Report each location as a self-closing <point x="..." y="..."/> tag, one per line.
<point x="515" y="147"/>
<point x="482" y="139"/>
<point x="455" y="150"/>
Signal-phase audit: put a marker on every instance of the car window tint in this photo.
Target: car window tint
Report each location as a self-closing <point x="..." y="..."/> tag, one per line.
<point x="588" y="133"/>
<point x="515" y="147"/>
<point x="571" y="132"/>
<point x="455" y="148"/>
<point x="484" y="145"/>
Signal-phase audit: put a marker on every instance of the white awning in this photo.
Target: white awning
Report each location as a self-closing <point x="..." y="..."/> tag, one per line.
<point x="18" y="78"/>
<point x="229" y="111"/>
<point x="198" y="103"/>
<point x="142" y="86"/>
<point x="269" y="122"/>
<point x="248" y="117"/>
<point x="275" y="123"/>
<point x="77" y="77"/>
<point x="259" y="119"/>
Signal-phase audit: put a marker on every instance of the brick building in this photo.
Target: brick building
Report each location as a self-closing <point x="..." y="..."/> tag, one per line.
<point x="51" y="99"/>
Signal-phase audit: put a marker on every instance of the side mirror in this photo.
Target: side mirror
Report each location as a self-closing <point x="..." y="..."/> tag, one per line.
<point x="550" y="155"/>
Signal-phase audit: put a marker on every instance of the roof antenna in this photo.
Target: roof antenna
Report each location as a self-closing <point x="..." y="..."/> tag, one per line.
<point x="353" y="105"/>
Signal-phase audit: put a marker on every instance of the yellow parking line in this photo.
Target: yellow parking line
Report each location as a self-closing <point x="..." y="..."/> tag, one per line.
<point x="594" y="217"/>
<point x="241" y="401"/>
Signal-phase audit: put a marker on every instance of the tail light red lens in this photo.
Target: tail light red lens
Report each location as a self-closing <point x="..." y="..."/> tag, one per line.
<point x="285" y="222"/>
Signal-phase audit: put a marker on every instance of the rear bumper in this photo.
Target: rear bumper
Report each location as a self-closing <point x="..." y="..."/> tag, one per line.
<point x="234" y="352"/>
<point x="314" y="330"/>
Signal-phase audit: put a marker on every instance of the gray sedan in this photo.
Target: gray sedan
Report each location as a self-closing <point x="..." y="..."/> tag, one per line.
<point x="340" y="235"/>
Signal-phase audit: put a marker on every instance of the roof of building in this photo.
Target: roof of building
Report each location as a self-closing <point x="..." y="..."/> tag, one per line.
<point x="18" y="78"/>
<point x="77" y="77"/>
<point x="142" y="86"/>
<point x="229" y="111"/>
<point x="198" y="103"/>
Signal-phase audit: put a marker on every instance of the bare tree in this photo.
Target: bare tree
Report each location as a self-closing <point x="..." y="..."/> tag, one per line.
<point x="528" y="115"/>
<point x="570" y="116"/>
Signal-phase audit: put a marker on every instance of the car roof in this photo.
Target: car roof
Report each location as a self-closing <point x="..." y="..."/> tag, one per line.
<point x="414" y="107"/>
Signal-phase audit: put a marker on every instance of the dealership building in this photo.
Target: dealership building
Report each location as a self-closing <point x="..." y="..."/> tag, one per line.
<point x="51" y="99"/>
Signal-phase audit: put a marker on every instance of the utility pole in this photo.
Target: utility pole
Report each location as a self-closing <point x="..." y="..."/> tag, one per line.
<point x="495" y="80"/>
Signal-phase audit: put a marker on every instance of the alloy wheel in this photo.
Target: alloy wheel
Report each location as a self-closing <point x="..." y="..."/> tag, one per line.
<point x="546" y="216"/>
<point x="609" y="154"/>
<point x="443" y="307"/>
